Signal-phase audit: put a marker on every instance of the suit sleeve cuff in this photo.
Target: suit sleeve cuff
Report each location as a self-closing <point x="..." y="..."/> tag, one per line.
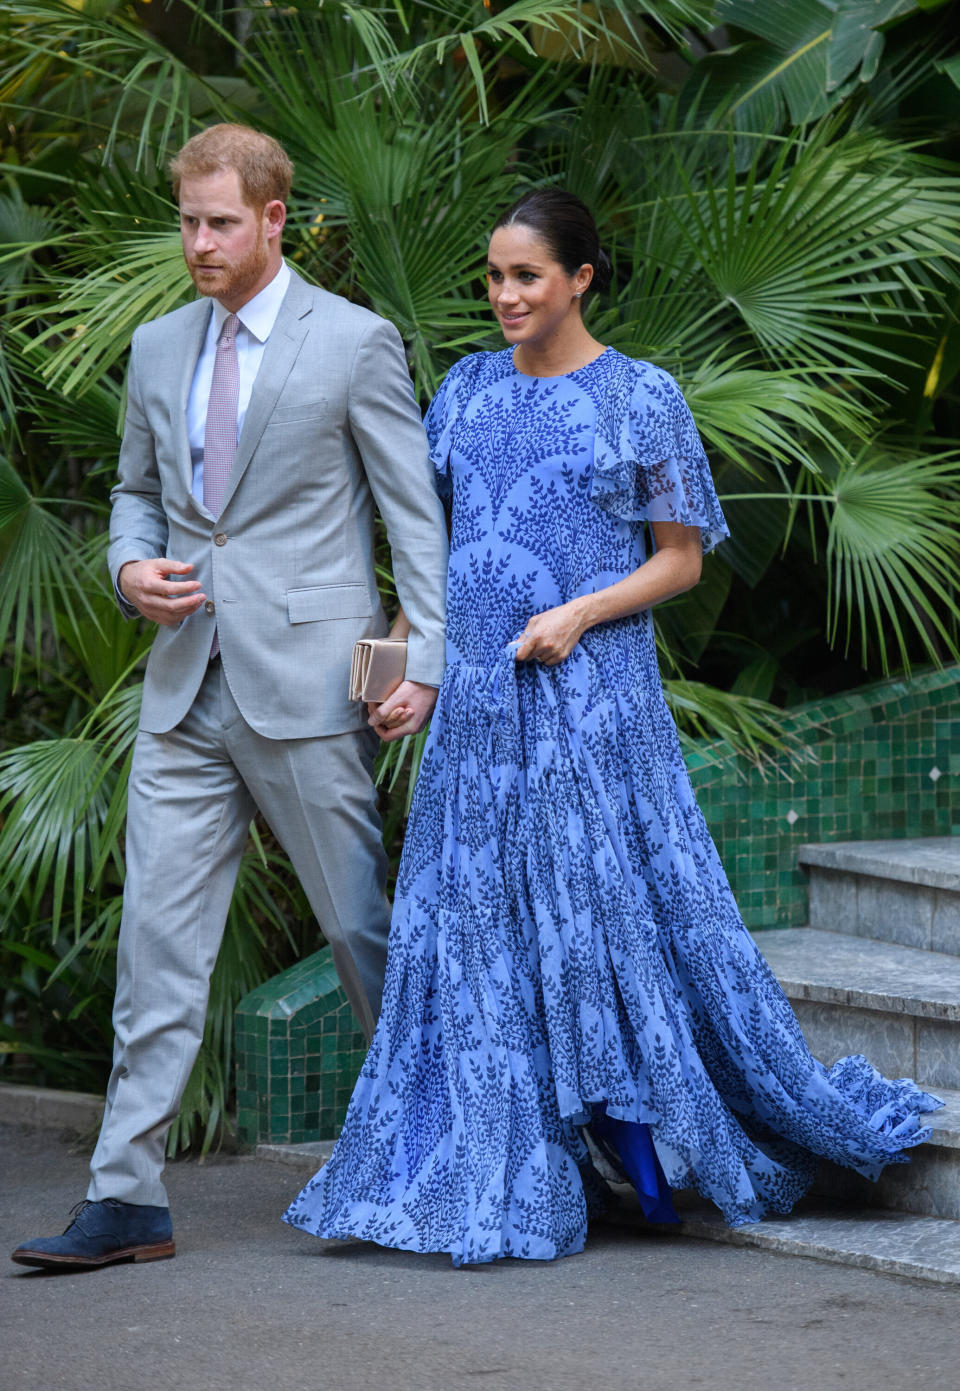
<point x="123" y="603"/>
<point x="425" y="660"/>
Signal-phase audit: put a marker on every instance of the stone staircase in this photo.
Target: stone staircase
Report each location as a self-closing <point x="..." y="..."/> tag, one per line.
<point x="878" y="972"/>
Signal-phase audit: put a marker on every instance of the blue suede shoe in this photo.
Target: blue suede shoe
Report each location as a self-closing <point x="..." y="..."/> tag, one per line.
<point x="103" y="1234"/>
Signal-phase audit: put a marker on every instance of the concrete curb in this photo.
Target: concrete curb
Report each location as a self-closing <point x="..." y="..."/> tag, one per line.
<point x="309" y="1156"/>
<point x="49" y="1109"/>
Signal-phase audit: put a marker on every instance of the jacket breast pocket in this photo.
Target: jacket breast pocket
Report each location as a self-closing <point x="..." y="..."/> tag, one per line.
<point x="328" y="601"/>
<point x="302" y="410"/>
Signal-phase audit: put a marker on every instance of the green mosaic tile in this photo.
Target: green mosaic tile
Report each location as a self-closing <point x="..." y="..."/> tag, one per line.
<point x="874" y="751"/>
<point x="298" y="1052"/>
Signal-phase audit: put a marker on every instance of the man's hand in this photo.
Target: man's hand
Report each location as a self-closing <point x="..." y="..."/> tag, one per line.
<point x="404" y="712"/>
<point x="147" y="585"/>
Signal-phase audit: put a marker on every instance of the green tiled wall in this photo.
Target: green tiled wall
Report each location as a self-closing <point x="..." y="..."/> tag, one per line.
<point x="299" y="1049"/>
<point x="884" y="764"/>
<point x="881" y="762"/>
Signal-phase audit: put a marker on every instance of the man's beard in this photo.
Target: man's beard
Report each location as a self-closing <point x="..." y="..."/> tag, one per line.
<point x="232" y="280"/>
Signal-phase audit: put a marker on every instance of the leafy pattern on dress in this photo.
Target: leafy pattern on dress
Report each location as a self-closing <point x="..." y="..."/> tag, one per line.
<point x="564" y="940"/>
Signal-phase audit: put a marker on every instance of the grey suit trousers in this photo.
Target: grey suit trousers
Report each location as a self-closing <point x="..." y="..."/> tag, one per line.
<point x="193" y="792"/>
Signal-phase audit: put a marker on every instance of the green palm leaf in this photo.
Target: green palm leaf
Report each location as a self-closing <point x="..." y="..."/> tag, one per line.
<point x="100" y="310"/>
<point x="62" y="803"/>
<point x="473" y="27"/>
<point x="711" y="723"/>
<point x="106" y="70"/>
<point x="811" y="257"/>
<point x="802" y="59"/>
<point x="778" y="413"/>
<point x="44" y="572"/>
<point x="893" y="553"/>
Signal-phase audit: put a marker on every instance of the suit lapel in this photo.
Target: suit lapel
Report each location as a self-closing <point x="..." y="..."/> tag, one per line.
<point x="279" y="355"/>
<point x="189" y="350"/>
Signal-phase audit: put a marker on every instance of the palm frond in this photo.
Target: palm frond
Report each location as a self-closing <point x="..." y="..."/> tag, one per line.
<point x="893" y="553"/>
<point x="100" y="310"/>
<point x="812" y="258"/>
<point x="62" y="803"/>
<point x="470" y="29"/>
<point x="44" y="573"/>
<point x="77" y="55"/>
<point x="776" y="413"/>
<point x="712" y="723"/>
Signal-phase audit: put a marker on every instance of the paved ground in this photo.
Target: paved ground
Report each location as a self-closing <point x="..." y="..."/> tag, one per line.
<point x="250" y="1303"/>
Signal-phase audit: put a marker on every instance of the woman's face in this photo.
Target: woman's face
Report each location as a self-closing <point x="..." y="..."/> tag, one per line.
<point x="531" y="294"/>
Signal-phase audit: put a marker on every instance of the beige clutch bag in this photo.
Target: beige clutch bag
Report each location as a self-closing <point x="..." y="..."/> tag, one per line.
<point x="377" y="668"/>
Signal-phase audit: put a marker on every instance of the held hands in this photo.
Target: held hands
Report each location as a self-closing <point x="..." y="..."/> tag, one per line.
<point x="147" y="584"/>
<point x="550" y="637"/>
<point x="404" y="712"/>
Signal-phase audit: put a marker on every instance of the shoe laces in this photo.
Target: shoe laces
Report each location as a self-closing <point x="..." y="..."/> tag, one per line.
<point x="78" y="1209"/>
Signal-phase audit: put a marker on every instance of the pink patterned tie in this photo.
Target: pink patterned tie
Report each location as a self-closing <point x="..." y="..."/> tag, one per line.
<point x="220" y="435"/>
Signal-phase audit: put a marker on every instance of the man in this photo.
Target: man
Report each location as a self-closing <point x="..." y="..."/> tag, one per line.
<point x="264" y="422"/>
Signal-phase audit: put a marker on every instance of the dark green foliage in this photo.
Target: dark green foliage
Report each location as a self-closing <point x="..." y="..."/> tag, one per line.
<point x="778" y="190"/>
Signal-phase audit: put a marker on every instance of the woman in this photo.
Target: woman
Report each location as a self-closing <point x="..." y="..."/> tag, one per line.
<point x="568" y="972"/>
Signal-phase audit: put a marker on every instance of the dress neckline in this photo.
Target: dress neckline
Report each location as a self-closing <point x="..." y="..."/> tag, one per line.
<point x="555" y="376"/>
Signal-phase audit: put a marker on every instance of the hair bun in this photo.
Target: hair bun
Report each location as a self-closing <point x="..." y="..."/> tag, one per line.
<point x="603" y="274"/>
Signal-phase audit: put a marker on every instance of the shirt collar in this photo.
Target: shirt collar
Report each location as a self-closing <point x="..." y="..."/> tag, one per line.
<point x="259" y="314"/>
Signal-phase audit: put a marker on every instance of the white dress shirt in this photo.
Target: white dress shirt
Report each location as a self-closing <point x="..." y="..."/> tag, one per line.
<point x="257" y="318"/>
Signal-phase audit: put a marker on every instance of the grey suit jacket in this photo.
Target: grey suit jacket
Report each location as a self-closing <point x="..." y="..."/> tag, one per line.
<point x="332" y="430"/>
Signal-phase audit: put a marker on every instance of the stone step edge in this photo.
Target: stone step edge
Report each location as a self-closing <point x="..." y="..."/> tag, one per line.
<point x="945" y="1124"/>
<point x="49" y="1109"/>
<point x="844" y="992"/>
<point x="872" y="1239"/>
<point x="892" y="1243"/>
<point x="879" y="859"/>
<point x="310" y="1155"/>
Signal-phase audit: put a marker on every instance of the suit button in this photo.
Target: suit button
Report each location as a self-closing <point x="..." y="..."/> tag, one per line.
<point x="220" y="539"/>
<point x="209" y="607"/>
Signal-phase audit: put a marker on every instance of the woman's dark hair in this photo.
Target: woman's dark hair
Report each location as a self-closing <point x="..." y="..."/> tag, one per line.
<point x="565" y="224"/>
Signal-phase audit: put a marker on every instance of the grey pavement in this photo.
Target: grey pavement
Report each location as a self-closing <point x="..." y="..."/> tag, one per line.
<point x="250" y="1303"/>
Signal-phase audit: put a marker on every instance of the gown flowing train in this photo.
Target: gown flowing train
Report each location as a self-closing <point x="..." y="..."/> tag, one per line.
<point x="565" y="948"/>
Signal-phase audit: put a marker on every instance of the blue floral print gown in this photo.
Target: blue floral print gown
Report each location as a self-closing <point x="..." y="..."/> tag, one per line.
<point x="565" y="947"/>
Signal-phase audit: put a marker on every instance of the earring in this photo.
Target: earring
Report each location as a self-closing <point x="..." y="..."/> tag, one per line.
<point x="579" y="294"/>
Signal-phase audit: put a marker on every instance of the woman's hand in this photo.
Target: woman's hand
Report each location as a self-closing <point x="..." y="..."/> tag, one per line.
<point x="550" y="637"/>
<point x="405" y="712"/>
<point x="674" y="567"/>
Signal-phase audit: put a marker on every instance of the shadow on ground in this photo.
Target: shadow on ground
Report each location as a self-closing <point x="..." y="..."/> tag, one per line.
<point x="250" y="1303"/>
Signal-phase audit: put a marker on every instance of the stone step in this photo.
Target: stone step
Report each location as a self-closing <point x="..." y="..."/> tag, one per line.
<point x="945" y="1124"/>
<point x="898" y="1005"/>
<point x="308" y="1156"/>
<point x="927" y="1186"/>
<point x="897" y="1243"/>
<point x="901" y="891"/>
<point x="80" y="1112"/>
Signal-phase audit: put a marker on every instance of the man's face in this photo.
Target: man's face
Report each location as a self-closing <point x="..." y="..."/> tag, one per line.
<point x="232" y="250"/>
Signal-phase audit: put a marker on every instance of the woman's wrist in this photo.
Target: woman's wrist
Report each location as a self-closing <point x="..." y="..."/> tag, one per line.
<point x="585" y="608"/>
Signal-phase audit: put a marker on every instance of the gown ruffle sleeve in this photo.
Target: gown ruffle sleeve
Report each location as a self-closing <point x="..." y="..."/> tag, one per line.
<point x="649" y="464"/>
<point x="441" y="417"/>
